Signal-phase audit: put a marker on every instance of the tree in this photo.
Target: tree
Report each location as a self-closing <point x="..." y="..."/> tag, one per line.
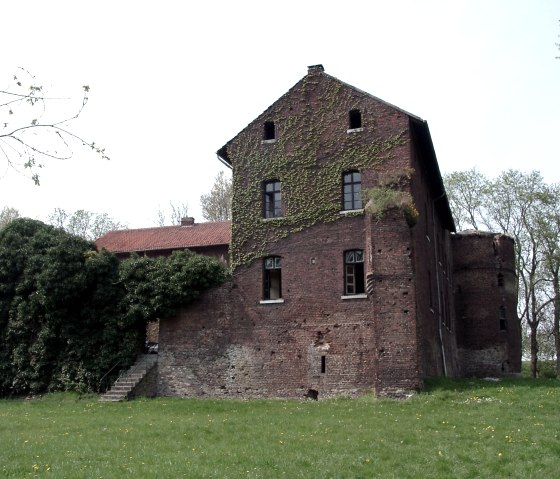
<point x="465" y="192"/>
<point x="174" y="216"/>
<point x="216" y="205"/>
<point x="69" y="313"/>
<point x="549" y="227"/>
<point x="35" y="127"/>
<point x="7" y="215"/>
<point x="85" y="224"/>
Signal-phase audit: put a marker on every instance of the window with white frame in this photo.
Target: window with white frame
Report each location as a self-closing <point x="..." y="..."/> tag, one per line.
<point x="272" y="278"/>
<point x="354" y="272"/>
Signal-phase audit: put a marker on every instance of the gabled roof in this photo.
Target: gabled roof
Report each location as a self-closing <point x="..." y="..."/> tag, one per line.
<point x="420" y="131"/>
<point x="166" y="238"/>
<point x="313" y="70"/>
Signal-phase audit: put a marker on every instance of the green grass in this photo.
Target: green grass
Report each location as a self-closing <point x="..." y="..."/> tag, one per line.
<point x="456" y="428"/>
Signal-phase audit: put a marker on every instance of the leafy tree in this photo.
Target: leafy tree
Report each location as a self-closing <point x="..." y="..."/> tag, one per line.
<point x="8" y="214"/>
<point x="465" y="192"/>
<point x="85" y="224"/>
<point x="174" y="216"/>
<point x="68" y="313"/>
<point x="216" y="205"/>
<point x="35" y="126"/>
<point x="549" y="228"/>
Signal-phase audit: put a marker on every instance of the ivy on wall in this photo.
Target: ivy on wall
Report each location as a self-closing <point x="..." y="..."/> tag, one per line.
<point x="309" y="155"/>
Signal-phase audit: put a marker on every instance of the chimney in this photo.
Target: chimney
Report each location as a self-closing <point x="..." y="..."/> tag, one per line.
<point x="315" y="69"/>
<point x="187" y="221"/>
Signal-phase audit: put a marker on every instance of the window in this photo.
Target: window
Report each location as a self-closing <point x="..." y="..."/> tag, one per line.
<point x="503" y="320"/>
<point x="272" y="278"/>
<point x="352" y="191"/>
<point x="269" y="131"/>
<point x="354" y="272"/>
<point x="500" y="280"/>
<point x="272" y="199"/>
<point x="354" y="119"/>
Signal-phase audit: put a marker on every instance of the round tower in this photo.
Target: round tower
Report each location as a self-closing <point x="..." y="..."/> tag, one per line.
<point x="485" y="285"/>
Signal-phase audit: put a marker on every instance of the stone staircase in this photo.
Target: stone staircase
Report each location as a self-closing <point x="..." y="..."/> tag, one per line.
<point x="126" y="382"/>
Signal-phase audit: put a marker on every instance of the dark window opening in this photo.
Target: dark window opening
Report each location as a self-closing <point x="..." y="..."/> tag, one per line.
<point x="500" y="280"/>
<point x="272" y="284"/>
<point x="323" y="364"/>
<point x="269" y="131"/>
<point x="355" y="119"/>
<point x="272" y="199"/>
<point x="503" y="321"/>
<point x="354" y="272"/>
<point x="351" y="191"/>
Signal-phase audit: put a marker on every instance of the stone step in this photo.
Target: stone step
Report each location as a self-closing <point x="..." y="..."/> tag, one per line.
<point x="126" y="383"/>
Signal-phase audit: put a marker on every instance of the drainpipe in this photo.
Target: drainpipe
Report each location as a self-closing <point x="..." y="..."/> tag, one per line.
<point x="438" y="285"/>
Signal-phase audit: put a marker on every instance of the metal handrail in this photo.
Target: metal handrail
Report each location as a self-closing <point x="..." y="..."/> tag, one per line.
<point x="141" y="361"/>
<point x="107" y="374"/>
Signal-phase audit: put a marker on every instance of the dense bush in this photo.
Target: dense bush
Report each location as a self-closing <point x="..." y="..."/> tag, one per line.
<point x="68" y="313"/>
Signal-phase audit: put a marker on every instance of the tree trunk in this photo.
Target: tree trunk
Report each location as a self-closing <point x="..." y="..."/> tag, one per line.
<point x="534" y="349"/>
<point x="556" y="326"/>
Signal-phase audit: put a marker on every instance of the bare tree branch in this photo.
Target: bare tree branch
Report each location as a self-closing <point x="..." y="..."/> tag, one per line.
<point x="20" y="118"/>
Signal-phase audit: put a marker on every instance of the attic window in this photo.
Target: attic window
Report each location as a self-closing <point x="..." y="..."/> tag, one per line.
<point x="354" y="119"/>
<point x="269" y="131"/>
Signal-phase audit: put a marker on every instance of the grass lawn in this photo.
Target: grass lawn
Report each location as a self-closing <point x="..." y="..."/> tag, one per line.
<point x="455" y="429"/>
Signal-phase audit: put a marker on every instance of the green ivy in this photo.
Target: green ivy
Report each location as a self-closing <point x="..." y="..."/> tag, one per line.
<point x="311" y="186"/>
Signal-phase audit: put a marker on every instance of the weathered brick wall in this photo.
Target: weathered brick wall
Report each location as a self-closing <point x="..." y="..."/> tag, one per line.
<point x="148" y="386"/>
<point x="485" y="280"/>
<point x="394" y="298"/>
<point x="228" y="344"/>
<point x="432" y="260"/>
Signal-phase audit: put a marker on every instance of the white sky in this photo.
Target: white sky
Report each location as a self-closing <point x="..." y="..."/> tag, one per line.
<point x="172" y="81"/>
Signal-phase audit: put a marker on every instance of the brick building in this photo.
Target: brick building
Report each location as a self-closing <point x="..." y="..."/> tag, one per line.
<point x="348" y="274"/>
<point x="210" y="239"/>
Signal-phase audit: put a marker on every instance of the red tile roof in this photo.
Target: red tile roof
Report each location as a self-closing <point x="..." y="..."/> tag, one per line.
<point x="166" y="237"/>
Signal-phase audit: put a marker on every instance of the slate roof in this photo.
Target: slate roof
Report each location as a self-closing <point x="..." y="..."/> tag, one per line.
<point x="166" y="237"/>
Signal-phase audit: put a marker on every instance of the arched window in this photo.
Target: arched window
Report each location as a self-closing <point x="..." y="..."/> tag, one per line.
<point x="354" y="272"/>
<point x="351" y="190"/>
<point x="272" y="278"/>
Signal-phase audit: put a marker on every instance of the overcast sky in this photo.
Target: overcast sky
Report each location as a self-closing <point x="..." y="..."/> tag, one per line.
<point x="171" y="82"/>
